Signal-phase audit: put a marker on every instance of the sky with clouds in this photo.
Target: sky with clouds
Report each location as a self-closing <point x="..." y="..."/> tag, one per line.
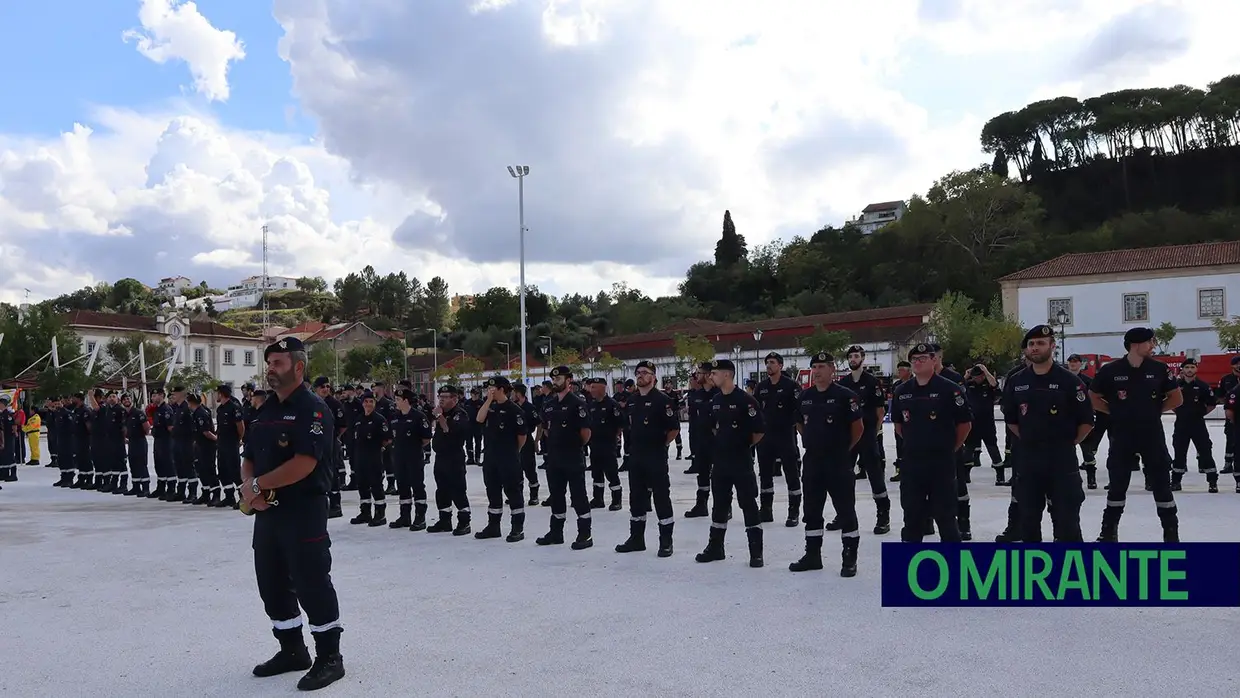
<point x="154" y="138"/>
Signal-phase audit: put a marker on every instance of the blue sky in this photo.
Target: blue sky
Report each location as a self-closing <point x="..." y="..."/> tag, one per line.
<point x="59" y="58"/>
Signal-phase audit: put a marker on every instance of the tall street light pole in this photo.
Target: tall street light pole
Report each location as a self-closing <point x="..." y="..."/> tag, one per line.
<point x="519" y="172"/>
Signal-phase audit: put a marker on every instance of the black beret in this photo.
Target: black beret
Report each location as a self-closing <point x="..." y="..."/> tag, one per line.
<point x="260" y="393"/>
<point x="1075" y="357"/>
<point x="224" y="389"/>
<point x="193" y="397"/>
<point x="249" y="385"/>
<point x="322" y="381"/>
<point x="751" y="383"/>
<point x="596" y="381"/>
<point x="447" y="390"/>
<point x="157" y="391"/>
<point x="499" y="382"/>
<point x="368" y="395"/>
<point x="706" y="366"/>
<point x="855" y="349"/>
<point x="722" y="365"/>
<point x="1190" y="361"/>
<point x="774" y="355"/>
<point x="1038" y="332"/>
<point x="1137" y="335"/>
<point x="405" y="383"/>
<point x="921" y="350"/>
<point x="561" y="371"/>
<point x="284" y="346"/>
<point x="648" y="365"/>
<point x="821" y="357"/>
<point x="520" y="388"/>
<point x="406" y="394"/>
<point x="82" y="396"/>
<point x="903" y="364"/>
<point x="4" y="399"/>
<point x="1235" y="360"/>
<point x="630" y="383"/>
<point x="475" y="390"/>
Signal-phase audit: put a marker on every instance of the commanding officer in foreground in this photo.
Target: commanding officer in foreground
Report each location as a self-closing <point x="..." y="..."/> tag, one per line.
<point x="830" y="422"/>
<point x="1190" y="428"/>
<point x="653" y="421"/>
<point x="566" y="428"/>
<point x="932" y="416"/>
<point x="777" y="397"/>
<point x="1136" y="390"/>
<point x="1046" y="407"/>
<point x="738" y="428"/>
<point x="286" y="474"/>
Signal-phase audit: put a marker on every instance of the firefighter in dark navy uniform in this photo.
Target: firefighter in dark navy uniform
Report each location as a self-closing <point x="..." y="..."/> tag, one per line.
<point x="653" y="422"/>
<point x="411" y="433"/>
<point x="1226" y="385"/>
<point x="981" y="389"/>
<point x="1046" y="406"/>
<point x="1011" y="459"/>
<point x="230" y="432"/>
<point x="504" y="433"/>
<point x="1089" y="447"/>
<point x="162" y="419"/>
<point x="777" y="396"/>
<point x="286" y="473"/>
<point x="606" y="420"/>
<point x="566" y="428"/>
<point x="136" y="429"/>
<point x="205" y="441"/>
<point x="1190" y="428"/>
<point x="931" y="414"/>
<point x="452" y="428"/>
<point x="529" y="460"/>
<point x="323" y="388"/>
<point x="373" y="434"/>
<point x="701" y="433"/>
<point x="873" y="403"/>
<point x="830" y="422"/>
<point x="1136" y="390"/>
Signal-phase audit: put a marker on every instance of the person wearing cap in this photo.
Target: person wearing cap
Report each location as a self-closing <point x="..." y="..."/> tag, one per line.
<point x="630" y="387"/>
<point x="287" y="471"/>
<point x="904" y="372"/>
<point x="606" y="419"/>
<point x="931" y="414"/>
<point x="473" y="445"/>
<point x="230" y="432"/>
<point x="504" y="433"/>
<point x="8" y="439"/>
<point x="182" y="446"/>
<point x="777" y="397"/>
<point x="352" y="413"/>
<point x="411" y="432"/>
<point x="964" y="468"/>
<point x="1231" y="410"/>
<point x="677" y="398"/>
<point x="654" y="423"/>
<point x="1136" y="390"/>
<point x="981" y="389"/>
<point x="738" y="427"/>
<point x="620" y="395"/>
<point x="565" y="427"/>
<point x="136" y="430"/>
<point x="529" y="463"/>
<point x="873" y="401"/>
<point x="81" y="442"/>
<point x="372" y="434"/>
<point x="205" y="441"/>
<point x="112" y="442"/>
<point x="695" y="387"/>
<point x="1089" y="447"/>
<point x="1226" y="385"/>
<point x="1048" y="409"/>
<point x="323" y="388"/>
<point x="66" y="455"/>
<point x="1190" y="428"/>
<point x="452" y="429"/>
<point x="831" y="423"/>
<point x="385" y="407"/>
<point x="701" y="438"/>
<point x="160" y="418"/>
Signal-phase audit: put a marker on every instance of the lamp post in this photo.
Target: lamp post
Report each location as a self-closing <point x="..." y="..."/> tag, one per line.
<point x="545" y="350"/>
<point x="1061" y="318"/>
<point x="757" y="352"/>
<point x="507" y="355"/>
<point x="519" y="172"/>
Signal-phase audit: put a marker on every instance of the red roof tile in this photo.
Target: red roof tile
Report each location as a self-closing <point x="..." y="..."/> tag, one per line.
<point x="141" y="323"/>
<point x="884" y="206"/>
<point x="1206" y="254"/>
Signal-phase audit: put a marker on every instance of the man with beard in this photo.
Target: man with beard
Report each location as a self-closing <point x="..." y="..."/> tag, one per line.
<point x="452" y="429"/>
<point x="323" y="388"/>
<point x="230" y="432"/>
<point x="66" y="458"/>
<point x="1226" y="385"/>
<point x="981" y="389"/>
<point x="411" y="432"/>
<point x="205" y="440"/>
<point x="932" y="415"/>
<point x="136" y="429"/>
<point x="1136" y="390"/>
<point x="529" y="463"/>
<point x="373" y="435"/>
<point x="737" y="429"/>
<point x="654" y="423"/>
<point x="904" y="372"/>
<point x="606" y="418"/>
<point x="1046" y="407"/>
<point x="873" y="403"/>
<point x="701" y="438"/>
<point x="503" y="435"/>
<point x="288" y="463"/>
<point x="777" y="396"/>
<point x="566" y="428"/>
<point x="829" y="418"/>
<point x="1190" y="428"/>
<point x="1089" y="447"/>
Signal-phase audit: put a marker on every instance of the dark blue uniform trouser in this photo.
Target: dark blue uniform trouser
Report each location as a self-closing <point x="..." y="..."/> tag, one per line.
<point x="1148" y="444"/>
<point x="410" y="475"/>
<point x="779" y="445"/>
<point x="449" y="472"/>
<point x="293" y="562"/>
<point x="726" y="476"/>
<point x="230" y="463"/>
<point x="138" y="470"/>
<point x="928" y="491"/>
<point x="502" y="480"/>
<point x="830" y="478"/>
<point x="1052" y="474"/>
<point x="1192" y="432"/>
<point x="604" y="468"/>
<point x="566" y="475"/>
<point x="871" y="463"/>
<point x="368" y="470"/>
<point x="649" y="480"/>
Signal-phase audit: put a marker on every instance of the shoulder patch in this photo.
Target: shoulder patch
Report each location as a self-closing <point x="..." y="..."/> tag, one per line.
<point x="959" y="400"/>
<point x="316" y="428"/>
<point x="1080" y="396"/>
<point x="752" y="411"/>
<point x="520" y="421"/>
<point x="581" y="412"/>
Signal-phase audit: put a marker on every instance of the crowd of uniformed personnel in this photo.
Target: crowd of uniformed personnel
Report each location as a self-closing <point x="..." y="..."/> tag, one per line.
<point x="942" y="420"/>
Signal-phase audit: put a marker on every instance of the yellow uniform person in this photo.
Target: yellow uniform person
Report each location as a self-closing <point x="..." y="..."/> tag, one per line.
<point x="33" y="424"/>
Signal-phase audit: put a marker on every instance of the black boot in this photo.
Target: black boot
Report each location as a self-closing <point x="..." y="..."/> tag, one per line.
<point x="160" y="485"/>
<point x="1091" y="478"/>
<point x="848" y="566"/>
<point x="1170" y="524"/>
<point x="328" y="666"/>
<point x="380" y="517"/>
<point x="391" y="487"/>
<point x="293" y="655"/>
<point x="584" y="539"/>
<point x="896" y="477"/>
<point x="766" y="511"/>
<point x="1110" y="524"/>
<point x="230" y="499"/>
<point x="794" y="511"/>
<point x="596" y="502"/>
<point x="754" y="535"/>
<point x="419" y="517"/>
<point x="714" y="545"/>
<point x="679" y="451"/>
<point x="637" y="538"/>
<point x="350" y="486"/>
<point x="66" y="479"/>
<point x="882" y="520"/>
<point x="1000" y="478"/>
<point x="1011" y="534"/>
<point x="135" y="489"/>
<point x="403" y="521"/>
<point x="555" y="536"/>
<point x="491" y="530"/>
<point x="363" y="515"/>
<point x="178" y="494"/>
<point x="334" y="510"/>
<point x="444" y="524"/>
<point x="517" y="534"/>
<point x="617" y="497"/>
<point x="533" y="495"/>
<point x="699" y="507"/>
<point x="812" y="559"/>
<point x="1212" y="483"/>
<point x="191" y="493"/>
<point x="463" y="519"/>
<point x="665" y="539"/>
<point x="962" y="520"/>
<point x="120" y="483"/>
<point x="834" y="524"/>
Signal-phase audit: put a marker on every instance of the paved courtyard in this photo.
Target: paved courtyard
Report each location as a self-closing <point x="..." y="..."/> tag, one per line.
<point x="105" y="595"/>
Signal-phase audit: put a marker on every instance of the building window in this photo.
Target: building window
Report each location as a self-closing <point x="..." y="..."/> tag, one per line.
<point x="228" y="357"/>
<point x="90" y="347"/>
<point x="1056" y="305"/>
<point x="1136" y="307"/>
<point x="249" y="358"/>
<point x="1210" y="303"/>
<point x="199" y="357"/>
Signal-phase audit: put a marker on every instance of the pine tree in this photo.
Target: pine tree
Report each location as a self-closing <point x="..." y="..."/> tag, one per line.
<point x="731" y="248"/>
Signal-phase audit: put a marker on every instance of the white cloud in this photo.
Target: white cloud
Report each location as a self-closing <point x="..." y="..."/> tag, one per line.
<point x="174" y="30"/>
<point x="641" y="120"/>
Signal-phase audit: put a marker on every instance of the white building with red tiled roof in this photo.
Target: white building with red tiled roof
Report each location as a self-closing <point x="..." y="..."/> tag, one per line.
<point x="1101" y="295"/>
<point x="875" y="216"/>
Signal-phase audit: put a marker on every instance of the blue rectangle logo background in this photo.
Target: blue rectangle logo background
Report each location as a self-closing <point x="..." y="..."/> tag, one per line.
<point x="1061" y="574"/>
